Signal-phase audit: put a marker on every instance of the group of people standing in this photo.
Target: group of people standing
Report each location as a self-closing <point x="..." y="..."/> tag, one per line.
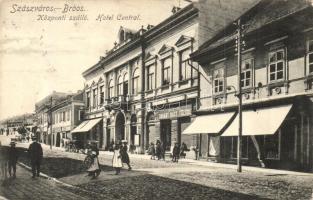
<point x="9" y="157"/>
<point x="157" y="151"/>
<point x="8" y="160"/>
<point x="120" y="156"/>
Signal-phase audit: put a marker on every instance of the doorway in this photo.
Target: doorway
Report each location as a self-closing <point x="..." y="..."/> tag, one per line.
<point x="166" y="134"/>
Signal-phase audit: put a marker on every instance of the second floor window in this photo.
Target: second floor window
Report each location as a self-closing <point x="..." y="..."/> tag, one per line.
<point x="120" y="86"/>
<point x="218" y="80"/>
<point x="166" y="71"/>
<point x="310" y="56"/>
<point x="276" y="65"/>
<point x="101" y="95"/>
<point x="135" y="82"/>
<point x="88" y="99"/>
<point x="150" y="79"/>
<point x="94" y="98"/>
<point x="110" y="89"/>
<point x="246" y="73"/>
<point x="185" y="69"/>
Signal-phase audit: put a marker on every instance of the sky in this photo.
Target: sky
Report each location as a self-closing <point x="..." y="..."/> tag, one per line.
<point x="40" y="53"/>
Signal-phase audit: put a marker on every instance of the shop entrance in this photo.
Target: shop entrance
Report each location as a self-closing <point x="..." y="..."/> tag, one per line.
<point x="57" y="144"/>
<point x="120" y="127"/>
<point x="165" y="135"/>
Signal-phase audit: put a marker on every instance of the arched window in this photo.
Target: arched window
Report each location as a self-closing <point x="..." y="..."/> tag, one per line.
<point x="110" y="89"/>
<point x="135" y="81"/>
<point x="120" y="85"/>
<point x="125" y="84"/>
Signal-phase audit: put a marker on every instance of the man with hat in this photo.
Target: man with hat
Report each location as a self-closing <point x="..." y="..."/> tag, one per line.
<point x="12" y="159"/>
<point x="35" y="154"/>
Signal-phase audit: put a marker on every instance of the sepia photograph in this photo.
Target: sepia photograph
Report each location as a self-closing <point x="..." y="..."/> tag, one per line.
<point x="156" y="99"/>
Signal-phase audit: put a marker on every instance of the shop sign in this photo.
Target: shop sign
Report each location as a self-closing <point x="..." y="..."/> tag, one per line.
<point x="174" y="113"/>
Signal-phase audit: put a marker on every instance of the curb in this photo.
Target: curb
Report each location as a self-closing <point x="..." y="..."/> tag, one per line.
<point x="43" y="175"/>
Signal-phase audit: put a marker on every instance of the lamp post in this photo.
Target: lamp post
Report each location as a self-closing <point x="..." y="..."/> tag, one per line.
<point x="238" y="45"/>
<point x="50" y="113"/>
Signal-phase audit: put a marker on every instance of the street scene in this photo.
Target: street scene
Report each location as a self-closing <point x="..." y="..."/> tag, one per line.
<point x="193" y="99"/>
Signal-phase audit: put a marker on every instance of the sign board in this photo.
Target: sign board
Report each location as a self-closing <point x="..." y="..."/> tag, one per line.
<point x="137" y="140"/>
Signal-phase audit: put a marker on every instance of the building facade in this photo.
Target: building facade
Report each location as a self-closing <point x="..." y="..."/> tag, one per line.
<point x="276" y="81"/>
<point x="66" y="115"/>
<point x="144" y="89"/>
<point x="42" y="110"/>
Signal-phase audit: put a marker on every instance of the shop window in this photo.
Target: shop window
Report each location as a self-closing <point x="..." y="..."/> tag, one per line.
<point x="272" y="146"/>
<point x="218" y="80"/>
<point x="310" y="56"/>
<point x="276" y="65"/>
<point x="246" y="73"/>
<point x="244" y="147"/>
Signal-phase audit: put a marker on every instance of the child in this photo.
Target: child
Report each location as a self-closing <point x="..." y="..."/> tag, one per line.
<point x="117" y="160"/>
<point x="152" y="151"/>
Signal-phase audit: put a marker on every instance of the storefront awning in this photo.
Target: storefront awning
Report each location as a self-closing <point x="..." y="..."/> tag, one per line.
<point x="85" y="126"/>
<point x="209" y="124"/>
<point x="265" y="121"/>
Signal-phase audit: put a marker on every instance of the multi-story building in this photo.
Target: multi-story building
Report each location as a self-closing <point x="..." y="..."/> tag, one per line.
<point x="42" y="109"/>
<point x="276" y="81"/>
<point x="66" y="115"/>
<point x="144" y="89"/>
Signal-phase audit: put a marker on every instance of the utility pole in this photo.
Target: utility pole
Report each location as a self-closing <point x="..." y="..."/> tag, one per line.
<point x="50" y="113"/>
<point x="238" y="48"/>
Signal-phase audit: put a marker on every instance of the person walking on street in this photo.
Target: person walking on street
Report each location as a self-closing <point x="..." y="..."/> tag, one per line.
<point x="12" y="159"/>
<point x="3" y="163"/>
<point x="175" y="153"/>
<point x="35" y="155"/>
<point x="117" y="161"/>
<point x="151" y="151"/>
<point x="94" y="169"/>
<point x="124" y="154"/>
<point x="158" y="149"/>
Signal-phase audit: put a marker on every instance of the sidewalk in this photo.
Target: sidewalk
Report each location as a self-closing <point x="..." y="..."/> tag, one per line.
<point x="203" y="163"/>
<point x="24" y="187"/>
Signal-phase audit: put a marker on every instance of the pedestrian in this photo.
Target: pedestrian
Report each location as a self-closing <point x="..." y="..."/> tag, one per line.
<point x="27" y="139"/>
<point x="94" y="167"/>
<point x="3" y="163"/>
<point x="117" y="160"/>
<point x="12" y="159"/>
<point x="158" y="150"/>
<point x="35" y="155"/>
<point x="175" y="153"/>
<point x="162" y="150"/>
<point x="151" y="151"/>
<point x="183" y="148"/>
<point x="111" y="146"/>
<point x="124" y="154"/>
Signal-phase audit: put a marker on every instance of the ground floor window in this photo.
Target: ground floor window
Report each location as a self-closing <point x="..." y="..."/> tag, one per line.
<point x="271" y="145"/>
<point x="244" y="147"/>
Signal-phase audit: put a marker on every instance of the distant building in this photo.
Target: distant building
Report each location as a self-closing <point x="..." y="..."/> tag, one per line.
<point x="66" y="115"/>
<point x="42" y="109"/>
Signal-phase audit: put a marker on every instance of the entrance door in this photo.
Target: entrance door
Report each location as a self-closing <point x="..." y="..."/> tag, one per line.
<point x="120" y="127"/>
<point x="58" y="140"/>
<point x="166" y="134"/>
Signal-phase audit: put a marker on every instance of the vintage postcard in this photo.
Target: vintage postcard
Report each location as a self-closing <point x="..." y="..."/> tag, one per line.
<point x="156" y="99"/>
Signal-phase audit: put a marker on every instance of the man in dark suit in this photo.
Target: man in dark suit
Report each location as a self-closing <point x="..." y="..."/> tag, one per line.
<point x="12" y="158"/>
<point x="35" y="155"/>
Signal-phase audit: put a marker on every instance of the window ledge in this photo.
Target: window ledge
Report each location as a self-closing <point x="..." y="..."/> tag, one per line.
<point x="149" y="91"/>
<point x="164" y="87"/>
<point x="183" y="82"/>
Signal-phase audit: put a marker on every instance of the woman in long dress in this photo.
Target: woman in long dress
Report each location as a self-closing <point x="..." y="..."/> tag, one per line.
<point x="117" y="160"/>
<point x="94" y="167"/>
